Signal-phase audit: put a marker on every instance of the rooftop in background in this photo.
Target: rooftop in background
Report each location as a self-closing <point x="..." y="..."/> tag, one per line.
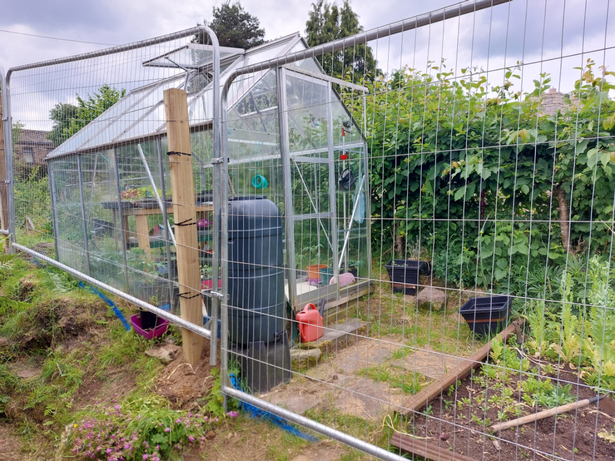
<point x="32" y="146"/>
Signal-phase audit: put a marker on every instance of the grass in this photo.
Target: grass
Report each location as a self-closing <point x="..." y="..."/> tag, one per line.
<point x="84" y="354"/>
<point x="396" y="376"/>
<point x="390" y="314"/>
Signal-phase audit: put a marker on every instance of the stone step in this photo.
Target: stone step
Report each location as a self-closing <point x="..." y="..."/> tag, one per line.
<point x="338" y="336"/>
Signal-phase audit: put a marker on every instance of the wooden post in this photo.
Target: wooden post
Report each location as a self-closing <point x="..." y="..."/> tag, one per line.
<point x="184" y="211"/>
<point x="4" y="206"/>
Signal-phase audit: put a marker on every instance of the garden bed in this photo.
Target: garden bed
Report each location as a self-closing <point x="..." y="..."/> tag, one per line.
<point x="460" y="420"/>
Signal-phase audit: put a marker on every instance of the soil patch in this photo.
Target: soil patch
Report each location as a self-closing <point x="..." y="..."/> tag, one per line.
<point x="25" y="370"/>
<point x="9" y="445"/>
<point x="183" y="383"/>
<point x="572" y="435"/>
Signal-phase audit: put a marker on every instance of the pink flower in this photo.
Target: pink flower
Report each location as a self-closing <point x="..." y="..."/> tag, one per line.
<point x="168" y="429"/>
<point x="145" y="456"/>
<point x="232" y="414"/>
<point x="191" y="438"/>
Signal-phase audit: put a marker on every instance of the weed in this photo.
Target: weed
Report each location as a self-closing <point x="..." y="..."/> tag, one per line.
<point x="143" y="428"/>
<point x="559" y="395"/>
<point x="396" y="377"/>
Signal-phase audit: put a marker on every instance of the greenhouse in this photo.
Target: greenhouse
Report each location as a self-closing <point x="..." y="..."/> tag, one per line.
<point x="289" y="136"/>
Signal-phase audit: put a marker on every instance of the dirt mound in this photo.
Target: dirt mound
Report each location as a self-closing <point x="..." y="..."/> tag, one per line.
<point x="52" y="322"/>
<point x="182" y="383"/>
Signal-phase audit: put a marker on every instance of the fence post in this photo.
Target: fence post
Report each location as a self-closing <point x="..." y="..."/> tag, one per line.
<point x="184" y="211"/>
<point x="4" y="206"/>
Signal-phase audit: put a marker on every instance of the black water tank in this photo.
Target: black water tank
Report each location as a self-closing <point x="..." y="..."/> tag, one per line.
<point x="255" y="270"/>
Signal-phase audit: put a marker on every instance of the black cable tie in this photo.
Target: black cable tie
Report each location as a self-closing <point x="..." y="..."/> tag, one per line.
<point x="172" y="152"/>
<point x="185" y="295"/>
<point x="185" y="223"/>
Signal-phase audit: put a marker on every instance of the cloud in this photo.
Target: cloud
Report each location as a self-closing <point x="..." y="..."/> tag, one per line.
<point x="551" y="34"/>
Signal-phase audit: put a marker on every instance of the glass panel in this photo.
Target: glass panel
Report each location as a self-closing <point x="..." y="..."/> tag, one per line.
<point x="191" y="56"/>
<point x="345" y="130"/>
<point x="352" y="213"/>
<point x="307" y="112"/>
<point x="253" y="122"/>
<point x="102" y="218"/>
<point x="69" y="220"/>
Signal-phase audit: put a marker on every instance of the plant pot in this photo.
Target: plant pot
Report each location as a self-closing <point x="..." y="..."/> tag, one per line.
<point x="354" y="271"/>
<point x="148" y="319"/>
<point x="487" y="315"/>
<point x="209" y="283"/>
<point x="314" y="273"/>
<point x="204" y="196"/>
<point x="163" y="324"/>
<point x="405" y="275"/>
<point x="164" y="271"/>
<point x="326" y="275"/>
<point x="155" y="291"/>
<point x="115" y="206"/>
<point x="151" y="203"/>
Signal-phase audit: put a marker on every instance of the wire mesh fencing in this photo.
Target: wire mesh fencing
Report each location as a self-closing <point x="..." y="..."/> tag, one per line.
<point x="416" y="224"/>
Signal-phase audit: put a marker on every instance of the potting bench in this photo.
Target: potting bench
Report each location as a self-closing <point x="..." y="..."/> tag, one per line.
<point x="141" y="215"/>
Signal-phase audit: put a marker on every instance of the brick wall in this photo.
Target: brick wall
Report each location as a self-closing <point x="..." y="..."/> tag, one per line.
<point x="32" y="147"/>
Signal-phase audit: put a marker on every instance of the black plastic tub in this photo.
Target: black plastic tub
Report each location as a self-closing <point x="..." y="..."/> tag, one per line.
<point x="488" y="315"/>
<point x="405" y="274"/>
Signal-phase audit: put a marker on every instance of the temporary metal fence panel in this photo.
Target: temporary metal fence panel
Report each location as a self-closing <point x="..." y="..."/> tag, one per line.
<point x="483" y="139"/>
<point x="452" y="172"/>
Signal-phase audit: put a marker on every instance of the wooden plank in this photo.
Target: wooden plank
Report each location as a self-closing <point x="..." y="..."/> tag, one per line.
<point x="425" y="449"/>
<point x="184" y="210"/>
<point x="4" y="207"/>
<point x="540" y="415"/>
<point x="143" y="235"/>
<point x="462" y="369"/>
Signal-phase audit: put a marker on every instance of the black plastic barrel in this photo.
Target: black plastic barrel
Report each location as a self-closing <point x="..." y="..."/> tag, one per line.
<point x="255" y="270"/>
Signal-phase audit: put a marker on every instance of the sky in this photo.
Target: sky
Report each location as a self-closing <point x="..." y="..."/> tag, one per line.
<point x="124" y="21"/>
<point x="551" y="36"/>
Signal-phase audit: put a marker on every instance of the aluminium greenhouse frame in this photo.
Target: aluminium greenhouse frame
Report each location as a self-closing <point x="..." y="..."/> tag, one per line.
<point x="227" y="389"/>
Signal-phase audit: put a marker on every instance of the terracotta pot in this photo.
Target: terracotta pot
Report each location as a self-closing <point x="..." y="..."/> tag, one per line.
<point x="314" y="271"/>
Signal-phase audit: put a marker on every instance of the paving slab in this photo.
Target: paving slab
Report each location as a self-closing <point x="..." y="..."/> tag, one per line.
<point x="339" y="336"/>
<point x="427" y="362"/>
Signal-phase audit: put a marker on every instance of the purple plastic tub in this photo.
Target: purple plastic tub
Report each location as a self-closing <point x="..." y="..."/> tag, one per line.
<point x="149" y="334"/>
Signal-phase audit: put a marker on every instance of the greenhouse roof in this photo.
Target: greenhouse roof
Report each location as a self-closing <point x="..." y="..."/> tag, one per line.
<point x="191" y="56"/>
<point x="141" y="112"/>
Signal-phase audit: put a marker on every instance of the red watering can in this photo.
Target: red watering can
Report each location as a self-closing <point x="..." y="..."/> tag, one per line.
<point x="310" y="323"/>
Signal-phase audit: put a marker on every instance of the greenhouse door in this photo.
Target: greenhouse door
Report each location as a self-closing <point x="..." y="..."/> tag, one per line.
<point x="306" y="132"/>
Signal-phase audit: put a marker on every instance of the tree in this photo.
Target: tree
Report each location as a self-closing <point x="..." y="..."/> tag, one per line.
<point x="328" y="22"/>
<point x="234" y="27"/>
<point x="61" y="114"/>
<point x="68" y="118"/>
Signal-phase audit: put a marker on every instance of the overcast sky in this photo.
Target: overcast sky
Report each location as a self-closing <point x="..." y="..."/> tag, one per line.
<point x="124" y="21"/>
<point x="548" y="35"/>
